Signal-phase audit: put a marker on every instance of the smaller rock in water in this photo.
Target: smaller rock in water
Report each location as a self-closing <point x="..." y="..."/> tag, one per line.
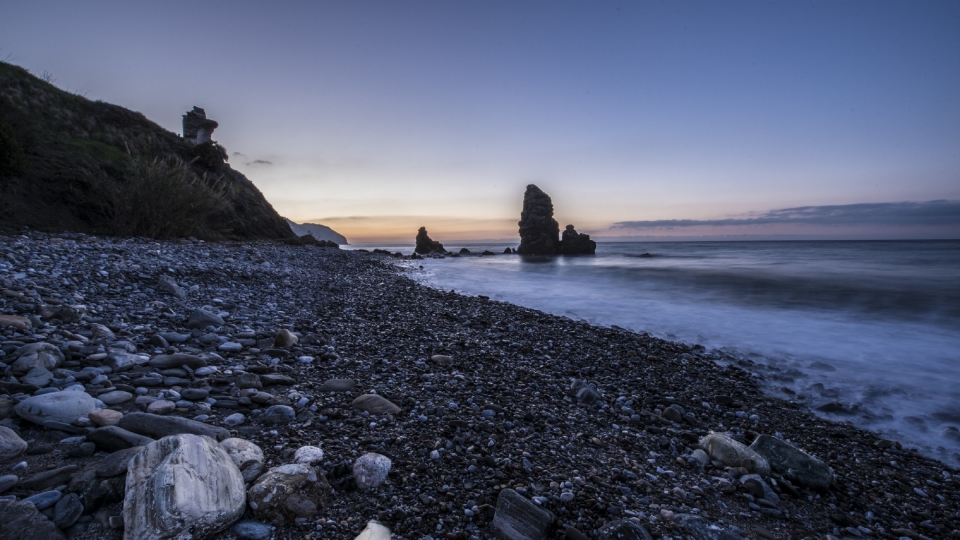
<point x="374" y="531"/>
<point x="734" y="454"/>
<point x="308" y="455"/>
<point x="279" y="414"/>
<point x="375" y="404"/>
<point x="371" y="470"/>
<point x="252" y="530"/>
<point x="516" y="518"/>
<point x="11" y="445"/>
<point x="623" y="530"/>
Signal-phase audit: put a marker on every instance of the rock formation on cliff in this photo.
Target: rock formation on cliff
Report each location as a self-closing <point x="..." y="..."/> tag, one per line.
<point x="574" y="243"/>
<point x="426" y="245"/>
<point x="539" y="232"/>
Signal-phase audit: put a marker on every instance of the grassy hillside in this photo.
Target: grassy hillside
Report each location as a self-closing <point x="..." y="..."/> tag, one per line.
<point x="69" y="163"/>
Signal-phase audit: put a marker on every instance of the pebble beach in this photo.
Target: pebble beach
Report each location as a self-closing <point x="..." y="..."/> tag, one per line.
<point x="325" y="394"/>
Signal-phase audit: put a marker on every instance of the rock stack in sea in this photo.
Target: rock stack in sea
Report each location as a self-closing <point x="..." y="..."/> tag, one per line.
<point x="426" y="245"/>
<point x="256" y="390"/>
<point x="539" y="232"/>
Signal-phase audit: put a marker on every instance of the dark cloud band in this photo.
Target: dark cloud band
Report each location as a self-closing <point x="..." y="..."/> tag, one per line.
<point x="936" y="213"/>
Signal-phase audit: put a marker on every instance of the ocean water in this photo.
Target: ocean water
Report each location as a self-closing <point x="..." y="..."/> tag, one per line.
<point x="866" y="332"/>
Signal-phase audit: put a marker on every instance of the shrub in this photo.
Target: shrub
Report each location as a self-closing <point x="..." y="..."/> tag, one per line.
<point x="154" y="198"/>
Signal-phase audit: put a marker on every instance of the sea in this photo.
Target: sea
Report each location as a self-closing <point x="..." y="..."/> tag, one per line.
<point x="866" y="332"/>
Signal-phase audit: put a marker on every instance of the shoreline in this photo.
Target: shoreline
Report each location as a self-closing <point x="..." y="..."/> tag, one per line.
<point x="622" y="457"/>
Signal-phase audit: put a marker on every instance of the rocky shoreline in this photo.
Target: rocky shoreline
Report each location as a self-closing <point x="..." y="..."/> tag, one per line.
<point x="318" y="390"/>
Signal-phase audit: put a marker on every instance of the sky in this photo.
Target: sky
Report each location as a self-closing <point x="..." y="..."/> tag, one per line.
<point x="376" y="118"/>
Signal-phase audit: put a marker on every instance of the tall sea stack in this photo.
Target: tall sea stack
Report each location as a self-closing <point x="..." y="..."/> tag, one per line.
<point x="539" y="232"/>
<point x="426" y="245"/>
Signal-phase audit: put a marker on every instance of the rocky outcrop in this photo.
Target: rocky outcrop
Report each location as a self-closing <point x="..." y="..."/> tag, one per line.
<point x="426" y="245"/>
<point x="197" y="128"/>
<point x="539" y="232"/>
<point x="183" y="486"/>
<point x="317" y="231"/>
<point x="574" y="243"/>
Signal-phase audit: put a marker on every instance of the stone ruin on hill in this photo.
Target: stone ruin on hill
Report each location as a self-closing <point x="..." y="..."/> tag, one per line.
<point x="197" y="129"/>
<point x="540" y="233"/>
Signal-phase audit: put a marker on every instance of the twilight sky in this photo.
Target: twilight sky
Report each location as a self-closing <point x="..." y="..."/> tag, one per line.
<point x="378" y="117"/>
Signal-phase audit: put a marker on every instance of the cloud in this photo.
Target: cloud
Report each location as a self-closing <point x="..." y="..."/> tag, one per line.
<point x="259" y="162"/>
<point x="931" y="213"/>
<point x="240" y="154"/>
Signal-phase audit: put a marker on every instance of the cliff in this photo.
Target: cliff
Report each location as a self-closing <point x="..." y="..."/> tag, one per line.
<point x="69" y="163"/>
<point x="320" y="232"/>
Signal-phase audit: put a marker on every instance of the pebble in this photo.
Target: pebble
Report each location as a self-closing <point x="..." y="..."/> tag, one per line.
<point x="234" y="420"/>
<point x="44" y="500"/>
<point x="278" y="414"/>
<point x="308" y="455"/>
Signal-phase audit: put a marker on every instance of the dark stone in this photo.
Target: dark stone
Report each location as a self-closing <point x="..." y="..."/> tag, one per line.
<point x="465" y="251"/>
<point x="574" y="243"/>
<point x="795" y="464"/>
<point x="202" y="318"/>
<point x="113" y="438"/>
<point x="517" y="518"/>
<point x="166" y="361"/>
<point x="539" y="232"/>
<point x="49" y="479"/>
<point x="279" y="414"/>
<point x="194" y="394"/>
<point x="156" y="426"/>
<point x="426" y="245"/>
<point x="338" y="385"/>
<point x="95" y="492"/>
<point x="67" y="511"/>
<point x="275" y="379"/>
<point x="623" y="530"/>
<point x="116" y="463"/>
<point x="22" y="521"/>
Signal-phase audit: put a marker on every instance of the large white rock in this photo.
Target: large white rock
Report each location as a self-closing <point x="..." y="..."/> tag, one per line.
<point x="374" y="531"/>
<point x="180" y="487"/>
<point x="63" y="407"/>
<point x="371" y="470"/>
<point x="242" y="451"/>
<point x="734" y="454"/>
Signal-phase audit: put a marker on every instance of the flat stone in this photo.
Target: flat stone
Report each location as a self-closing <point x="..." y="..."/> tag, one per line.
<point x="733" y="454"/>
<point x="252" y="530"/>
<point x="278" y="414"/>
<point x="49" y="479"/>
<point x="275" y="379"/>
<point x="38" y="376"/>
<point x="248" y="380"/>
<point x="119" y="361"/>
<point x="517" y="518"/>
<point x="11" y="445"/>
<point x="44" y="500"/>
<point x="166" y="361"/>
<point x="234" y="420"/>
<point x="156" y="426"/>
<point x="194" y="394"/>
<point x="116" y="463"/>
<point x="161" y="406"/>
<point x="370" y="470"/>
<point x="7" y="481"/>
<point x="202" y="318"/>
<point x="115" y="397"/>
<point x="375" y="404"/>
<point x="795" y="464"/>
<point x="113" y="438"/>
<point x="623" y="530"/>
<point x="105" y="417"/>
<point x="63" y="407"/>
<point x="230" y="346"/>
<point x="23" y="519"/>
<point x="15" y="321"/>
<point x="338" y="385"/>
<point x="183" y="486"/>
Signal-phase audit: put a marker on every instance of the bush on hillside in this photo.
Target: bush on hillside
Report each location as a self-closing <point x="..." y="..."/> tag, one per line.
<point x="153" y="198"/>
<point x="11" y="155"/>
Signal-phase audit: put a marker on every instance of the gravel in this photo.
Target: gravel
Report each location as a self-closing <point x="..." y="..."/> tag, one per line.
<point x="465" y="397"/>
